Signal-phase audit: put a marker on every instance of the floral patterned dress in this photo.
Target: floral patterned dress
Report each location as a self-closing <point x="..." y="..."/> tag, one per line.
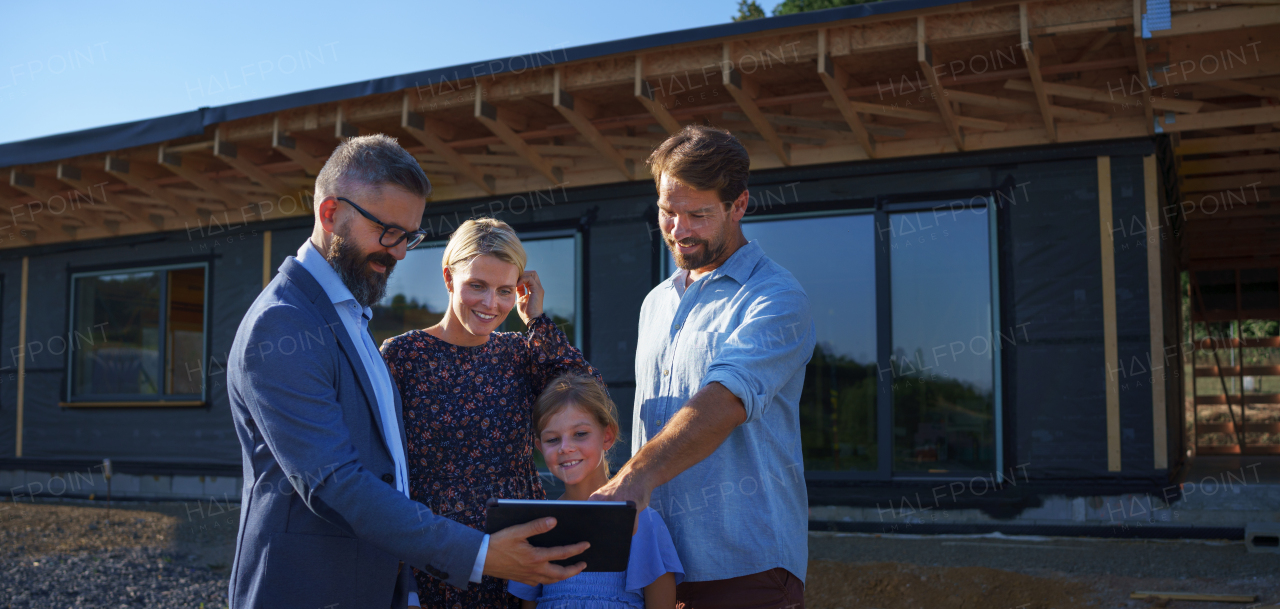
<point x="469" y="429"/>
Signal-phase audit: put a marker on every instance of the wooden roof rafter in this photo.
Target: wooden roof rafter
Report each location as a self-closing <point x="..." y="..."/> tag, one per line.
<point x="579" y="113"/>
<point x="812" y="93"/>
<point x="1033" y="70"/>
<point x="497" y="122"/>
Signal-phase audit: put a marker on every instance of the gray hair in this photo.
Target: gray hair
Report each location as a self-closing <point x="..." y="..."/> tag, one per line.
<point x="370" y="161"/>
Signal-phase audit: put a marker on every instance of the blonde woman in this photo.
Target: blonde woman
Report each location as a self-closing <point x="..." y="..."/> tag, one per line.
<point x="468" y="392"/>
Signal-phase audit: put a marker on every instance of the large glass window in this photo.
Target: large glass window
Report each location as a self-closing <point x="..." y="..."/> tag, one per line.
<point x="943" y="353"/>
<point x="940" y="360"/>
<point x="138" y="334"/>
<point x="833" y="258"/>
<point x="416" y="296"/>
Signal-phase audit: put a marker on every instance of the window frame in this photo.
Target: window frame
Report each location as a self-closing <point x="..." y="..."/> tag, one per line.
<point x="917" y="203"/>
<point x="882" y="206"/>
<point x="142" y="400"/>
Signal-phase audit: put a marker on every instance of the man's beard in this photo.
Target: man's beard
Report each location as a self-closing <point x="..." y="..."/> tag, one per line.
<point x="709" y="253"/>
<point x="366" y="285"/>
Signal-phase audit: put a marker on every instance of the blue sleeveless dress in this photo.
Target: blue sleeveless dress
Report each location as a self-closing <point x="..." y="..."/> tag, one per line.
<point x="652" y="555"/>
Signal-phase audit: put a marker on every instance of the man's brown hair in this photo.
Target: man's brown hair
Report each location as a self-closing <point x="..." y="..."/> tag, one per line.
<point x="703" y="158"/>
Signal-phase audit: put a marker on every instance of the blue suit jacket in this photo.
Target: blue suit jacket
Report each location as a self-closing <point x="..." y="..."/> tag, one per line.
<point x="321" y="523"/>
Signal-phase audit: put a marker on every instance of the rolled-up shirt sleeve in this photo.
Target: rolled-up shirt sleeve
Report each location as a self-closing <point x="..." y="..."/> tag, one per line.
<point x="775" y="339"/>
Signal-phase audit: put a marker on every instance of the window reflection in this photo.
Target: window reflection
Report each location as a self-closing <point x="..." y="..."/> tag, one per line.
<point x="138" y="334"/>
<point x="127" y="361"/>
<point x="943" y="353"/>
<point x="833" y="258"/>
<point x="416" y="295"/>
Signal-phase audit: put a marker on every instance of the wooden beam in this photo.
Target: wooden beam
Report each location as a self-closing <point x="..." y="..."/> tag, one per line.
<point x="1246" y="88"/>
<point x="1155" y="306"/>
<point x="836" y="80"/>
<point x="816" y="124"/>
<point x="41" y="192"/>
<point x="1088" y="94"/>
<point x="1033" y="70"/>
<point x="236" y="156"/>
<point x="1111" y="350"/>
<point x="288" y="146"/>
<point x="1230" y="143"/>
<point x="1004" y="103"/>
<point x="28" y="225"/>
<point x="924" y="57"/>
<point x="744" y="90"/>
<point x="1251" y="162"/>
<point x="1265" y="115"/>
<point x="1232" y="182"/>
<point x="174" y="164"/>
<point x="341" y="128"/>
<point x="579" y="113"/>
<point x="644" y="93"/>
<point x="112" y="213"/>
<point x="1097" y="45"/>
<point x="487" y="114"/>
<point x="22" y="352"/>
<point x="924" y="116"/>
<point x="122" y="170"/>
<point x="1144" y="72"/>
<point x="266" y="258"/>
<point x="416" y="125"/>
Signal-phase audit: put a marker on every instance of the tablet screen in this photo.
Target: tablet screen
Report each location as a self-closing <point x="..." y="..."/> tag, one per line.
<point x="606" y="525"/>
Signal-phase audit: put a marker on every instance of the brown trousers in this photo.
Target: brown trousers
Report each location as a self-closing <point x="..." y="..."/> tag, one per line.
<point x="773" y="589"/>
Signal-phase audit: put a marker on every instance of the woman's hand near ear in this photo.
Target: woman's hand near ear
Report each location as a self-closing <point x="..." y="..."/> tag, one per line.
<point x="529" y="296"/>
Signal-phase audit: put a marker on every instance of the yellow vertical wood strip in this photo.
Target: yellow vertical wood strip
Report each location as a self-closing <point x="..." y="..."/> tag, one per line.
<point x="1110" y="346"/>
<point x="266" y="258"/>
<point x="22" y="353"/>
<point x="1155" y="298"/>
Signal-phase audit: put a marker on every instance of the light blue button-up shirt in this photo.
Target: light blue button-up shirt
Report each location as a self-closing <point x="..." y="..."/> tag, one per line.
<point x="745" y="325"/>
<point x="355" y="319"/>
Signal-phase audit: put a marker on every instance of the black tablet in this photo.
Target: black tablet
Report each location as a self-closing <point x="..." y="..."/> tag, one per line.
<point x="607" y="525"/>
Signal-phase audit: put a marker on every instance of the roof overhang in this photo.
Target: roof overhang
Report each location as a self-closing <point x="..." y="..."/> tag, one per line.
<point x="876" y="81"/>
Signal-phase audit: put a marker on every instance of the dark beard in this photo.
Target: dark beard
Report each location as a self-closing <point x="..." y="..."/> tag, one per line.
<point x="367" y="286"/>
<point x="710" y="252"/>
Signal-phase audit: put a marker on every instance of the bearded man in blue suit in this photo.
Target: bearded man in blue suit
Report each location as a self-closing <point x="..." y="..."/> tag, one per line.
<point x="326" y="519"/>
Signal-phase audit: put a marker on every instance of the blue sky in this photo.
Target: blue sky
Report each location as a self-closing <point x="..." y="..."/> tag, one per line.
<point x="77" y="65"/>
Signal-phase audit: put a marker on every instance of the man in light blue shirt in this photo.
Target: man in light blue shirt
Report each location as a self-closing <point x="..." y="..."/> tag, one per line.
<point x="720" y="364"/>
<point x="326" y="517"/>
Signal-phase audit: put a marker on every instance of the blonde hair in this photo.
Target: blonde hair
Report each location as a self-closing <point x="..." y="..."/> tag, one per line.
<point x="582" y="391"/>
<point x="484" y="237"/>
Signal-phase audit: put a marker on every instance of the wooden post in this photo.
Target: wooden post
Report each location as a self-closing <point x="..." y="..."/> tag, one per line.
<point x="266" y="258"/>
<point x="1155" y="300"/>
<point x="1110" y="345"/>
<point x="22" y="352"/>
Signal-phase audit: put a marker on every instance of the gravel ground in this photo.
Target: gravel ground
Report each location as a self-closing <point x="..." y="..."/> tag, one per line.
<point x="79" y="554"/>
<point x="163" y="555"/>
<point x="904" y="572"/>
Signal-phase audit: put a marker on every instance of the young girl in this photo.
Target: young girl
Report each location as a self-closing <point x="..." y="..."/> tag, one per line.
<point x="575" y="427"/>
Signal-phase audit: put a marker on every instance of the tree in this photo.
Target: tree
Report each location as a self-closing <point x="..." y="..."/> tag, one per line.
<point x="788" y="7"/>
<point x="747" y="10"/>
<point x="750" y="9"/>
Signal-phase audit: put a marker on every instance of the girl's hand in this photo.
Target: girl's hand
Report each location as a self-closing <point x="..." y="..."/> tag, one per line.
<point x="529" y="296"/>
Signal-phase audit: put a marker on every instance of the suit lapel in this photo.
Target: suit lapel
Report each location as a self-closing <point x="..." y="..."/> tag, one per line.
<point x="302" y="277"/>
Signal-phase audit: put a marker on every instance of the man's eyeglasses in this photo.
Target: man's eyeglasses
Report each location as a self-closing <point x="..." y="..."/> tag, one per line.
<point x="391" y="233"/>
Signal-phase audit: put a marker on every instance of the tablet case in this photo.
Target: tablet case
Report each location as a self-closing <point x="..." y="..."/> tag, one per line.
<point x="607" y="525"/>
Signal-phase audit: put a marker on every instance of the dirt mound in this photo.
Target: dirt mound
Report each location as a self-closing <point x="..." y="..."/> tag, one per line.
<point x="832" y="585"/>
